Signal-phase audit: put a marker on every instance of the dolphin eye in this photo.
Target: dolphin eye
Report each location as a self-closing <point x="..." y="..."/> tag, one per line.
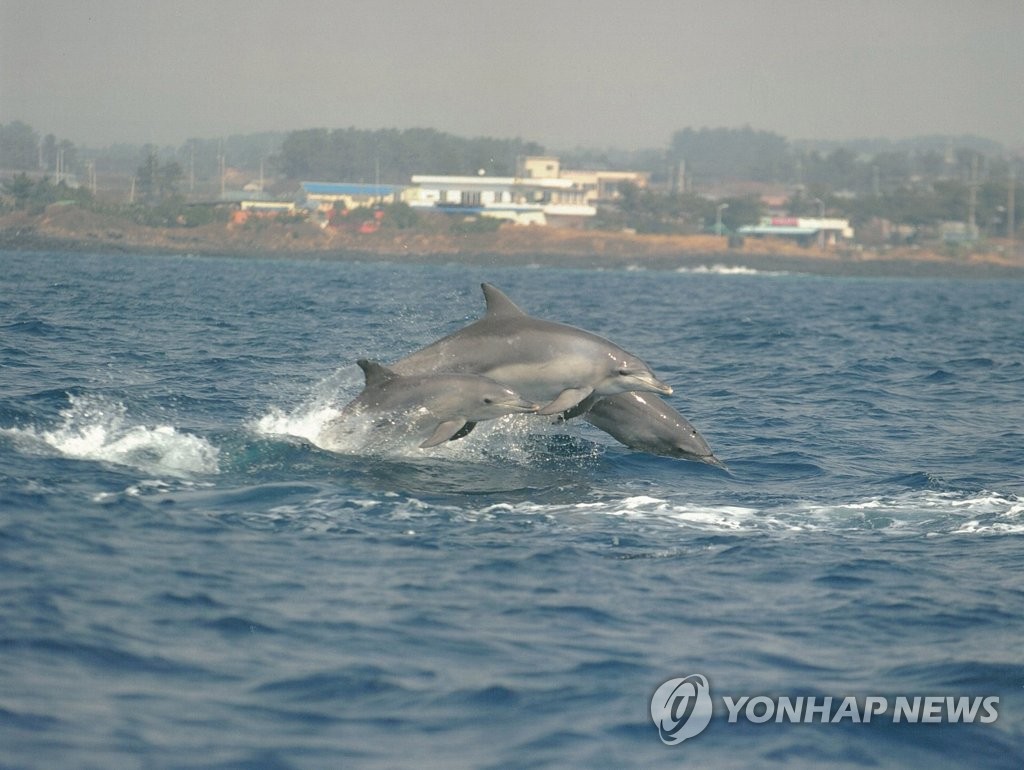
<point x="488" y="400"/>
<point x="624" y="372"/>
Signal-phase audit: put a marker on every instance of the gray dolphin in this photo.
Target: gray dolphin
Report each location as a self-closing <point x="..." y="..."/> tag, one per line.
<point x="553" y="364"/>
<point x="645" y="422"/>
<point x="447" y="406"/>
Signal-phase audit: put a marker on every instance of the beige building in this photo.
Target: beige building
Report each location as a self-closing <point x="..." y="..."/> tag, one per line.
<point x="538" y="167"/>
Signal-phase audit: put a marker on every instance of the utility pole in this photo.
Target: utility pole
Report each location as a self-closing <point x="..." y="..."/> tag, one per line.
<point x="223" y="169"/>
<point x="376" y="179"/>
<point x="1011" y="192"/>
<point x="677" y="174"/>
<point x="972" y="201"/>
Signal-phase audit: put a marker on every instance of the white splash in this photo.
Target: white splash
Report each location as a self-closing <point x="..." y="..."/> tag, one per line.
<point x="94" y="428"/>
<point x="926" y="513"/>
<point x="306" y="421"/>
<point x="719" y="269"/>
<point x="321" y="423"/>
<point x="318" y="420"/>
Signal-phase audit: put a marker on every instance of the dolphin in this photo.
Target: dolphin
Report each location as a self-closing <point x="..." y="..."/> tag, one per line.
<point x="447" y="406"/>
<point x="645" y="422"/>
<point x="559" y="366"/>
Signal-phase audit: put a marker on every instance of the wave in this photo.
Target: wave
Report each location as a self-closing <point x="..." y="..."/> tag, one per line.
<point x="920" y="513"/>
<point x="720" y="269"/>
<point x="672" y="522"/>
<point x="99" y="429"/>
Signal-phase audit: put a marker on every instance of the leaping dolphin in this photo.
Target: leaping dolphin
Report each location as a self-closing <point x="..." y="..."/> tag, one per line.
<point x="553" y="364"/>
<point x="444" y="406"/>
<point x="645" y="422"/>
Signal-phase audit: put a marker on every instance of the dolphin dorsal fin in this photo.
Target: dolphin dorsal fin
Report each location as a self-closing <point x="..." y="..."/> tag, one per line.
<point x="376" y="373"/>
<point x="498" y="305"/>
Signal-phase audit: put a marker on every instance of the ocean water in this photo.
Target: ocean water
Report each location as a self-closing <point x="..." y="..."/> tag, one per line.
<point x="188" y="581"/>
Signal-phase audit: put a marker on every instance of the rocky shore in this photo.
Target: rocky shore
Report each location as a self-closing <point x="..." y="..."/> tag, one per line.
<point x="70" y="228"/>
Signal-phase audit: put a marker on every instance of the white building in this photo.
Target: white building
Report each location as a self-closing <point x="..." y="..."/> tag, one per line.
<point x="827" y="232"/>
<point x="541" y="193"/>
<point x="525" y="201"/>
<point x="596" y="186"/>
<point x="603" y="186"/>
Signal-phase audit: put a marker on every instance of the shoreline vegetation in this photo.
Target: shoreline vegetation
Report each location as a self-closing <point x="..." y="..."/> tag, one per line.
<point x="76" y="229"/>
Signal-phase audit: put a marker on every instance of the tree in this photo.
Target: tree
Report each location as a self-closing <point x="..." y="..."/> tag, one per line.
<point x="19" y="146"/>
<point x="49" y="152"/>
<point x="36" y="196"/>
<point x="147" y="178"/>
<point x="732" y="153"/>
<point x="170" y="174"/>
<point x="392" y="156"/>
<point x="156" y="182"/>
<point x="20" y="187"/>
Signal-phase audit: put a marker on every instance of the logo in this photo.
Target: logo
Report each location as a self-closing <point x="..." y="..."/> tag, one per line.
<point x="681" y="708"/>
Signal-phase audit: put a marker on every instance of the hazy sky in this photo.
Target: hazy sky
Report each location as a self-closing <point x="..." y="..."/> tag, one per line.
<point x="624" y="73"/>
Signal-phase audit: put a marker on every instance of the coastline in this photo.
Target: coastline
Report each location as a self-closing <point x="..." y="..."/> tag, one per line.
<point x="69" y="228"/>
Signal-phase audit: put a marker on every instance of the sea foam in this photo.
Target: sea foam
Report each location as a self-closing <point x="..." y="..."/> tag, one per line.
<point x="98" y="429"/>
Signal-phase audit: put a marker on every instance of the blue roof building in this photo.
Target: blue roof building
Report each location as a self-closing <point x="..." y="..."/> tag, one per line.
<point x="351" y="194"/>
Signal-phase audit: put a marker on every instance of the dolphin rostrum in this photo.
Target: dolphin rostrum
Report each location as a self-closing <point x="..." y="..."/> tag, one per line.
<point x="645" y="422"/>
<point x="553" y="364"/>
<point x="444" y="406"/>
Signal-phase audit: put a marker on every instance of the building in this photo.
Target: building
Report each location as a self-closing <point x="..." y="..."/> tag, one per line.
<point x="524" y="201"/>
<point x="269" y="208"/>
<point x="325" y="195"/>
<point x="596" y="186"/>
<point x="805" y="230"/>
<point x="538" y="167"/>
<point x="541" y="193"/>
<point x="603" y="187"/>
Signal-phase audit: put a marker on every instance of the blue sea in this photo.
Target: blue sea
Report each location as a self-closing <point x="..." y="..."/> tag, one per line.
<point x="188" y="581"/>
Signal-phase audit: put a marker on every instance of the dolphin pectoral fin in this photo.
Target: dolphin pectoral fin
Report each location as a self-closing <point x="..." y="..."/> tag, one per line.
<point x="566" y="400"/>
<point x="444" y="432"/>
<point x="464" y="431"/>
<point x="582" y="407"/>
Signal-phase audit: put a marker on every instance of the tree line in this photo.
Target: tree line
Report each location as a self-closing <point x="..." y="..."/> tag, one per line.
<point x="917" y="182"/>
<point x="22" y="149"/>
<point x="700" y="158"/>
<point x="923" y="208"/>
<point x="392" y="155"/>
